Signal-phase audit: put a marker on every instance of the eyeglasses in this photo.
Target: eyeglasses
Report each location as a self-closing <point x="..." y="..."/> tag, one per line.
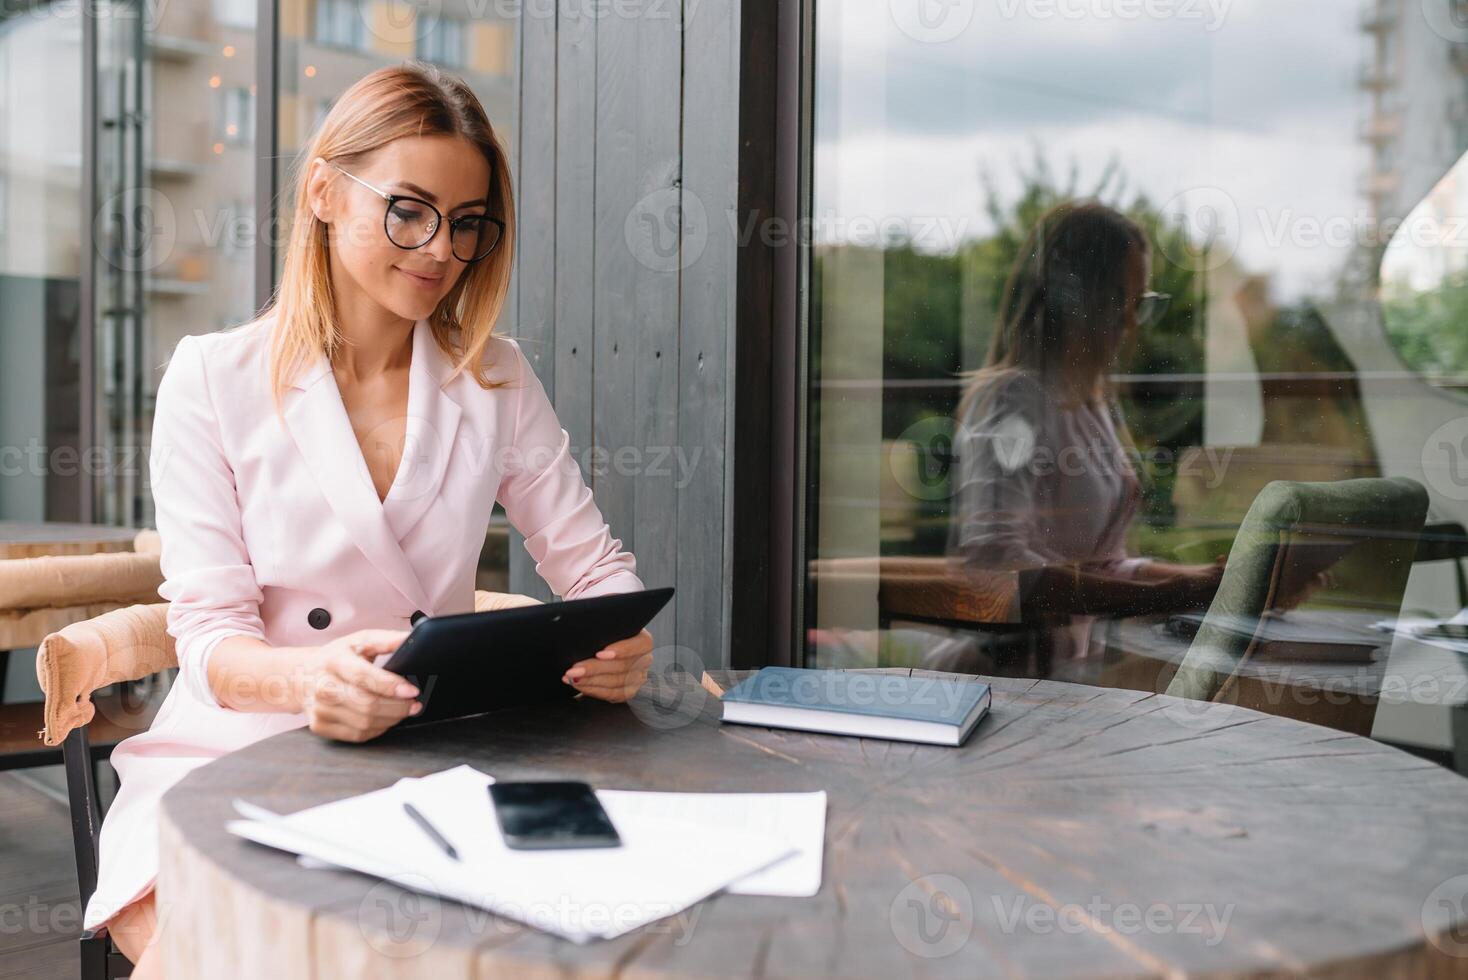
<point x="411" y="222"/>
<point x="1151" y="308"/>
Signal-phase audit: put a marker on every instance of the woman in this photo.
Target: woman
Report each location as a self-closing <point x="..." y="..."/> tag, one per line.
<point x="1046" y="483"/>
<point x="324" y="476"/>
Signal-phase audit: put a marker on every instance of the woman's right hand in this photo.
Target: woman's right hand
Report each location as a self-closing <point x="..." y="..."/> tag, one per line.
<point x="345" y="697"/>
<point x="1196" y="584"/>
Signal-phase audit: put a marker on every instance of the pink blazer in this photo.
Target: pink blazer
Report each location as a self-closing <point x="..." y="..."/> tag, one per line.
<point x="271" y="528"/>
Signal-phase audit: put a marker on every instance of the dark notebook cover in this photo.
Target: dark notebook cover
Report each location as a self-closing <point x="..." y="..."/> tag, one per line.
<point x="879" y="695"/>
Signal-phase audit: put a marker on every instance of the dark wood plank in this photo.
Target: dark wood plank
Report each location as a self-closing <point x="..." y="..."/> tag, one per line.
<point x="1286" y="847"/>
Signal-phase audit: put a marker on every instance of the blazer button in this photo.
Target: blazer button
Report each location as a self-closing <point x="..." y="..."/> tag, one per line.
<point x="318" y="618"/>
<point x="417" y="615"/>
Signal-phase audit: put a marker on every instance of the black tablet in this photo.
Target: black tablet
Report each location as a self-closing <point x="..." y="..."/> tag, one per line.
<point x="470" y="663"/>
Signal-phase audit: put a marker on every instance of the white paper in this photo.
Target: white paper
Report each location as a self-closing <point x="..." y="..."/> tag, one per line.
<point x="663" y="866"/>
<point x="797" y="819"/>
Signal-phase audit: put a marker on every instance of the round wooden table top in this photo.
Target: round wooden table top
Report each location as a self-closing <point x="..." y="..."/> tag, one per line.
<point x="1079" y="831"/>
<point x="26" y="539"/>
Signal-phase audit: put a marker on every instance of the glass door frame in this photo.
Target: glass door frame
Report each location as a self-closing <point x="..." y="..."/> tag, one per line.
<point x="267" y="79"/>
<point x="769" y="442"/>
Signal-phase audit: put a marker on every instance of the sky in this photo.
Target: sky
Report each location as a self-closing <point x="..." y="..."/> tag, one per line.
<point x="1244" y="114"/>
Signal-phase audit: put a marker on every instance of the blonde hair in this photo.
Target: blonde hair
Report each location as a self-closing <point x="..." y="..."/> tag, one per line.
<point x="412" y="99"/>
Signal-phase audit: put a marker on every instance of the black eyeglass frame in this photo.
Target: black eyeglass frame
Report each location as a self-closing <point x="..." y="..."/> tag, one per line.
<point x="438" y="220"/>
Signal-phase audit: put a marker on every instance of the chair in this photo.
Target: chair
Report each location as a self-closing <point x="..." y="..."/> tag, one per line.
<point x="1384" y="517"/>
<point x="72" y="664"/>
<point x="39" y="596"/>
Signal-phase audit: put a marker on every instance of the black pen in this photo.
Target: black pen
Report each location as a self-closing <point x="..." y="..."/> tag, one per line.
<point x="431" y="831"/>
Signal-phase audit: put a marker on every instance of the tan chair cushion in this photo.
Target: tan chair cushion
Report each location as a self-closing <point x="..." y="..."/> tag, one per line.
<point x="130" y="644"/>
<point x="77" y="580"/>
<point x="148" y="542"/>
<point x="122" y="645"/>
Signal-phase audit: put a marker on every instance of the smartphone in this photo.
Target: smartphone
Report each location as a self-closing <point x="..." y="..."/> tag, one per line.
<point x="545" y="815"/>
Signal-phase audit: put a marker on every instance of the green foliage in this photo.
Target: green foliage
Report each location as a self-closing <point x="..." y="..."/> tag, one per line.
<point x="1426" y="327"/>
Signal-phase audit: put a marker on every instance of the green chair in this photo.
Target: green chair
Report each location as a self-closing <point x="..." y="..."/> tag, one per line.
<point x="1381" y="517"/>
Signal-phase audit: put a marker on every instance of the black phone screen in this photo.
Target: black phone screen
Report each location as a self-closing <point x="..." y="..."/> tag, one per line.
<point x="539" y="815"/>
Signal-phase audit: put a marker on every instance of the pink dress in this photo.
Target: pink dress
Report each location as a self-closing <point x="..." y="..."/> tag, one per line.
<point x="271" y="528"/>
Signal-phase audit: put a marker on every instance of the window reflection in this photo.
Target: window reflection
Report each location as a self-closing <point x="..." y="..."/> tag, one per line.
<point x="1018" y="465"/>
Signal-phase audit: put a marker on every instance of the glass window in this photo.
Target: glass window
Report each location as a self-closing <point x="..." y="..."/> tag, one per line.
<point x="40" y="257"/>
<point x="339" y="23"/>
<point x="1083" y="282"/>
<point x="236" y="121"/>
<point x="441" y="41"/>
<point x="235" y="13"/>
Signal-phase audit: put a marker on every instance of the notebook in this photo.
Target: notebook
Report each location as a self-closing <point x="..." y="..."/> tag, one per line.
<point x="1302" y="635"/>
<point x="866" y="704"/>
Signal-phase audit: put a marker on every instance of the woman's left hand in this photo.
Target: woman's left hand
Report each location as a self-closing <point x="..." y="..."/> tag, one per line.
<point x="615" y="673"/>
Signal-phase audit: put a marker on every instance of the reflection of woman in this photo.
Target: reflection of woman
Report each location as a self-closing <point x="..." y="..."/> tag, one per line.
<point x="1045" y="482"/>
<point x="323" y="477"/>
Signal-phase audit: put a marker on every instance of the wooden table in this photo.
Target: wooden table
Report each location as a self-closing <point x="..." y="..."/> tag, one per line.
<point x="23" y="539"/>
<point x="1080" y="831"/>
